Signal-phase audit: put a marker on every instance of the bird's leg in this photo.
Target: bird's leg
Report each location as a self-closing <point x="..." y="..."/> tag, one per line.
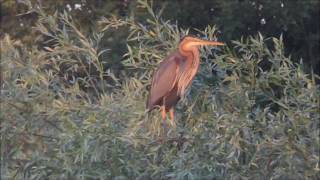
<point x="173" y="123"/>
<point x="164" y="115"/>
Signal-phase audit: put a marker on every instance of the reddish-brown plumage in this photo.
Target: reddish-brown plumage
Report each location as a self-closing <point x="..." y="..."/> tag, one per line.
<point x="175" y="74"/>
<point x="164" y="90"/>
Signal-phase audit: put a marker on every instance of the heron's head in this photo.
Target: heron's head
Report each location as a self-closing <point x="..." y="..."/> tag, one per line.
<point x="188" y="43"/>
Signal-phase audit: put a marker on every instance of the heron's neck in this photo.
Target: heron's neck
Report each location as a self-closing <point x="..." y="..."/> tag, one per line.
<point x="190" y="68"/>
<point x="196" y="58"/>
<point x="192" y="54"/>
<point x="192" y="58"/>
<point x="194" y="62"/>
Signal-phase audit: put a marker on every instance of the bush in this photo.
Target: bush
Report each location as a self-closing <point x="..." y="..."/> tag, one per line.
<point x="250" y="113"/>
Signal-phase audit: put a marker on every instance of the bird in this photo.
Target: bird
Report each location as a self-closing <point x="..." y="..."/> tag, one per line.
<point x="174" y="75"/>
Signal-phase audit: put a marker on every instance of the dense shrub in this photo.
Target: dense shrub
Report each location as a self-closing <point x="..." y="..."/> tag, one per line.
<point x="250" y="114"/>
<point x="298" y="21"/>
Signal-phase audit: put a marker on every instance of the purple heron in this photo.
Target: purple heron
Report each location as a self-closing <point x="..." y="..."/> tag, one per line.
<point x="174" y="76"/>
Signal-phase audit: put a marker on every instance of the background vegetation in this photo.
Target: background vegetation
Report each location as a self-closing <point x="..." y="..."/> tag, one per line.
<point x="73" y="101"/>
<point x="297" y="21"/>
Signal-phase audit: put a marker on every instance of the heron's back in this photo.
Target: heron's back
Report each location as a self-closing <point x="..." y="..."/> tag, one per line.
<point x="164" y="82"/>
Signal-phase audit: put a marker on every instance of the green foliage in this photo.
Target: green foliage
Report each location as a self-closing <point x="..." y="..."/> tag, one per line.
<point x="297" y="20"/>
<point x="66" y="115"/>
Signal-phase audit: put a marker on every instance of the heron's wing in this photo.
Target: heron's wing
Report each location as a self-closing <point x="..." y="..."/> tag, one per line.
<point x="164" y="79"/>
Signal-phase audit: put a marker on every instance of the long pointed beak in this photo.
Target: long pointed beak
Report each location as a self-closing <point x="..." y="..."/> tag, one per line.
<point x="200" y="42"/>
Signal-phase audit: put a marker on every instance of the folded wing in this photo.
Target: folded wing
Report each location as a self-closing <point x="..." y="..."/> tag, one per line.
<point x="164" y="80"/>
